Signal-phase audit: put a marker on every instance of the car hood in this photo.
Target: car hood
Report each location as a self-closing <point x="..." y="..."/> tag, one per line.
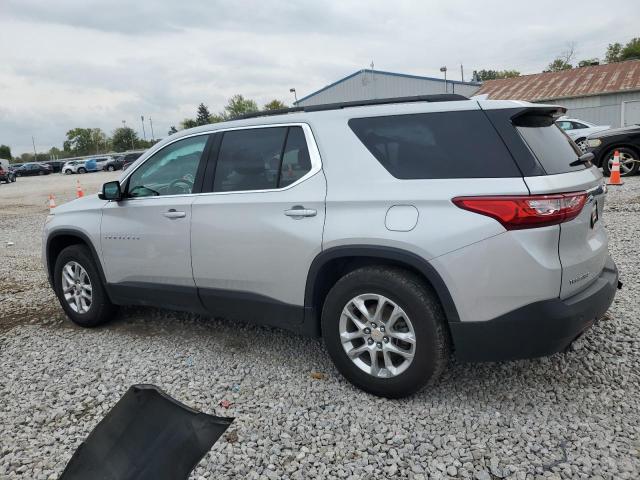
<point x="88" y="202"/>
<point x="616" y="131"/>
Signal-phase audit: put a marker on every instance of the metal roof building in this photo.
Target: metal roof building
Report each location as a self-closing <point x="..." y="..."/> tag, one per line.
<point x="373" y="84"/>
<point x="603" y="94"/>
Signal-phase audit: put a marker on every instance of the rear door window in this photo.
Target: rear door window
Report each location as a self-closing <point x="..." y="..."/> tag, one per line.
<point x="552" y="147"/>
<point x="261" y="159"/>
<point x="436" y="145"/>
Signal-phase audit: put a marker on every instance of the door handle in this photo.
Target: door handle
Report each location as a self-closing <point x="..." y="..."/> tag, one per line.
<point x="173" y="213"/>
<point x="297" y="212"/>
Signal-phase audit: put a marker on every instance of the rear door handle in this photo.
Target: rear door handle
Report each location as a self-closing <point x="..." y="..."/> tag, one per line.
<point x="173" y="213"/>
<point x="299" y="212"/>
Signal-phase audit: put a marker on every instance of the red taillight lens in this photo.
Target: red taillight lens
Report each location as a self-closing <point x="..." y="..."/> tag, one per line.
<point x="526" y="211"/>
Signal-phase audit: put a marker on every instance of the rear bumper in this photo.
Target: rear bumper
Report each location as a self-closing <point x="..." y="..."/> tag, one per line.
<point x="538" y="329"/>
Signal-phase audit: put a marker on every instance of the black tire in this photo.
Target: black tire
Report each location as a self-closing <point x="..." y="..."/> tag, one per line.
<point x="101" y="309"/>
<point x="421" y="305"/>
<point x="623" y="150"/>
<point x="82" y="170"/>
<point x="13" y="179"/>
<point x="110" y="168"/>
<point x="67" y="172"/>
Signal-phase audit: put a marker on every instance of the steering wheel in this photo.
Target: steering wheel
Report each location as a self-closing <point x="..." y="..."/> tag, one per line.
<point x="181" y="186"/>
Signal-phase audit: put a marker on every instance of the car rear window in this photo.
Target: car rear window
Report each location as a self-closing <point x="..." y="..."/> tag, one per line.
<point x="551" y="146"/>
<point x="436" y="145"/>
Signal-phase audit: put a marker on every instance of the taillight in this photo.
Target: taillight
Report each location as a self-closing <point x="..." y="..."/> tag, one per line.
<point x="526" y="211"/>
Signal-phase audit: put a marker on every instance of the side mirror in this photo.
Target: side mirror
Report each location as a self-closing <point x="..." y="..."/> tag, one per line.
<point x="111" y="191"/>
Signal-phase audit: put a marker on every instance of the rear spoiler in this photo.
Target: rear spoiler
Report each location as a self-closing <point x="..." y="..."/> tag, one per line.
<point x="538" y="116"/>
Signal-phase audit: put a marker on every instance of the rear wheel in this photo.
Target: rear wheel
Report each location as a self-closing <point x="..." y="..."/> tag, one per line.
<point x="79" y="288"/>
<point x="110" y="168"/>
<point x="82" y="170"/>
<point x="385" y="331"/>
<point x="629" y="161"/>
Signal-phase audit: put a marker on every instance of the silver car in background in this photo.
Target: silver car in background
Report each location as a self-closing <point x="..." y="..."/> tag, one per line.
<point x="579" y="130"/>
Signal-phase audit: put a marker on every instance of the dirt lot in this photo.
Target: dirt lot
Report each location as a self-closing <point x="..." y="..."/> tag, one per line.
<point x="573" y="415"/>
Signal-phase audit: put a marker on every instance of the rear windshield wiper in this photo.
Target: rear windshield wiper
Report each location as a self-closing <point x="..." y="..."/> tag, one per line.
<point x="583" y="159"/>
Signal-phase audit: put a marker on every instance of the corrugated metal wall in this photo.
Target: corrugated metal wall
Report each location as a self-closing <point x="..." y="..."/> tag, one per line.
<point x="367" y="85"/>
<point x="604" y="109"/>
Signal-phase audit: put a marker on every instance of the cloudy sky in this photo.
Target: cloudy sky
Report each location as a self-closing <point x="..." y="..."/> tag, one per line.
<point x="91" y="63"/>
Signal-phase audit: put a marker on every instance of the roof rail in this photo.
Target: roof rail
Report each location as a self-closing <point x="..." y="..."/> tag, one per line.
<point x="444" y="97"/>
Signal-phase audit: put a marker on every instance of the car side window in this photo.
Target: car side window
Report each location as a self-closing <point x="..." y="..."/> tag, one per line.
<point x="565" y="125"/>
<point x="171" y="171"/>
<point x="578" y="126"/>
<point x="249" y="159"/>
<point x="296" y="161"/>
<point x="261" y="159"/>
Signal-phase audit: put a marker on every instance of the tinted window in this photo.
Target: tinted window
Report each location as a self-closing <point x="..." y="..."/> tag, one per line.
<point x="295" y="160"/>
<point x="553" y="149"/>
<point x="249" y="159"/>
<point x="578" y="126"/>
<point x="171" y="171"/>
<point x="436" y="145"/>
<point x="564" y="125"/>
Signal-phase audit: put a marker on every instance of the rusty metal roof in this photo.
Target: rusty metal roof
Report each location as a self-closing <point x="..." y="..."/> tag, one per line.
<point x="577" y="82"/>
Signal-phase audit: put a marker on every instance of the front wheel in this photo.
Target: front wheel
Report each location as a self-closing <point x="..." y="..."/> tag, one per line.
<point x="385" y="331"/>
<point x="111" y="168"/>
<point x="79" y="289"/>
<point x="67" y="172"/>
<point x="582" y="144"/>
<point x="629" y="162"/>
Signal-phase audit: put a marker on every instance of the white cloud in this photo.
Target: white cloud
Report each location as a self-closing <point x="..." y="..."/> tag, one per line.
<point x="92" y="63"/>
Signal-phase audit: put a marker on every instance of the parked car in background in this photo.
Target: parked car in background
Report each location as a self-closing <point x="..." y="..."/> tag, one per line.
<point x="7" y="174"/>
<point x="100" y="161"/>
<point x="129" y="158"/>
<point x="74" y="166"/>
<point x="115" y="163"/>
<point x="626" y="140"/>
<point x="579" y="130"/>
<point x="349" y="221"/>
<point x="33" y="168"/>
<point x="56" y="165"/>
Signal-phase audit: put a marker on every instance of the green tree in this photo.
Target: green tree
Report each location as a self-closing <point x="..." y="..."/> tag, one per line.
<point x="558" y="65"/>
<point x="614" y="53"/>
<point x="5" y="152"/>
<point x="79" y="141"/>
<point x="275" y="105"/>
<point x="124" y="138"/>
<point x="238" y="106"/>
<point x="188" y="123"/>
<point x="172" y="130"/>
<point x="482" y="75"/>
<point x="631" y="50"/>
<point x="203" y="116"/>
<point x="588" y="62"/>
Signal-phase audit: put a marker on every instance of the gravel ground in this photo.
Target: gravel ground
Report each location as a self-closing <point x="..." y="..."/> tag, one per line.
<point x="574" y="415"/>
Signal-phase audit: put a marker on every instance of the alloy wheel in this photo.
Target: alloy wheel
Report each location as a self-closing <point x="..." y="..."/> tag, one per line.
<point x="377" y="335"/>
<point x="76" y="287"/>
<point x="627" y="163"/>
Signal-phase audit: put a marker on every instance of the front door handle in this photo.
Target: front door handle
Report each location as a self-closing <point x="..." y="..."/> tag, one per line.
<point x="299" y="212"/>
<point x="173" y="213"/>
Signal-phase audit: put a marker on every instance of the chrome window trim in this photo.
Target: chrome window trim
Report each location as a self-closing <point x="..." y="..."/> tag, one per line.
<point x="312" y="146"/>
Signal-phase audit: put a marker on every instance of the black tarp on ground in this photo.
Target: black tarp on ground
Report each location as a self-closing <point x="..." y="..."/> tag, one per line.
<point x="146" y="435"/>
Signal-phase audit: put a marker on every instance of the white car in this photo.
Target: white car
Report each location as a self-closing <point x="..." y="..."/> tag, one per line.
<point x="102" y="161"/>
<point x="74" y="166"/>
<point x="579" y="130"/>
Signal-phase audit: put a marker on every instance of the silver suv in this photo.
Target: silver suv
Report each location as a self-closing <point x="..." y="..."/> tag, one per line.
<point x="400" y="231"/>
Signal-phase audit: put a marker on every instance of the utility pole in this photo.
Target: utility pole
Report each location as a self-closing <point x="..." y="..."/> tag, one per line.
<point x="152" y="135"/>
<point x="295" y="95"/>
<point x="144" y="134"/>
<point x="35" y="155"/>
<point x="461" y="73"/>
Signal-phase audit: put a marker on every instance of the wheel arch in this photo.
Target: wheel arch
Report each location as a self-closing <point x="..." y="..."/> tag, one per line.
<point x="61" y="239"/>
<point x="333" y="263"/>
<point x="606" y="151"/>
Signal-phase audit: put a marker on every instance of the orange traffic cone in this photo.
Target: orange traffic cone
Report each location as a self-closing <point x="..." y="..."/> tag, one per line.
<point x="614" y="177"/>
<point x="79" y="192"/>
<point x="52" y="202"/>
